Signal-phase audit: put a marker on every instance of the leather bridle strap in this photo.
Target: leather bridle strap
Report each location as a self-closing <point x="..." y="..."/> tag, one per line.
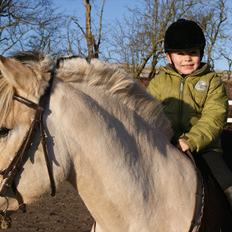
<point x="22" y="154"/>
<point x="37" y="123"/>
<point x="43" y="102"/>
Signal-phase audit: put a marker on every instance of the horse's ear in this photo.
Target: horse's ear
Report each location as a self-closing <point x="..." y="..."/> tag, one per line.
<point x="19" y="75"/>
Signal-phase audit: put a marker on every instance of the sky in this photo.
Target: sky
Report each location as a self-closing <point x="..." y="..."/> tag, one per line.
<point x="114" y="10"/>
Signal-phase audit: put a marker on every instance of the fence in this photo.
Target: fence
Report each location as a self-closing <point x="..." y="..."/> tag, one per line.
<point x="229" y="120"/>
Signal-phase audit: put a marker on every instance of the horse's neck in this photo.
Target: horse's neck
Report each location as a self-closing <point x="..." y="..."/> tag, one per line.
<point x="119" y="168"/>
<point x="34" y="180"/>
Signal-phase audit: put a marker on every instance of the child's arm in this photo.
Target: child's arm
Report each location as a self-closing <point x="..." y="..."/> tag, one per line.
<point x="212" y="120"/>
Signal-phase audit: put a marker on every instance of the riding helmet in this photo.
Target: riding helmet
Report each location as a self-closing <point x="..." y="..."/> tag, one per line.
<point x="184" y="34"/>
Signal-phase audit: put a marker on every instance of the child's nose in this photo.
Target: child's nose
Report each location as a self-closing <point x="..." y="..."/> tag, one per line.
<point x="187" y="57"/>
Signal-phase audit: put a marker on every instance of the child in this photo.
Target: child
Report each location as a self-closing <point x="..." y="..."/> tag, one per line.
<point x="194" y="98"/>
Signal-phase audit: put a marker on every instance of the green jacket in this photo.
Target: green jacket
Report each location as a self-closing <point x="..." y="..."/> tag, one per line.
<point x="195" y="104"/>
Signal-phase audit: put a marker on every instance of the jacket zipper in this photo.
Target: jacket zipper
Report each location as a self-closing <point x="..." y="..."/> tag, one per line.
<point x="181" y="90"/>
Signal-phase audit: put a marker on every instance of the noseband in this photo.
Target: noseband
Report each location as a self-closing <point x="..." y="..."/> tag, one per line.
<point x="9" y="174"/>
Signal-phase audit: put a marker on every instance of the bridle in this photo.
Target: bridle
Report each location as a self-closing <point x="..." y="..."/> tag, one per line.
<point x="9" y="174"/>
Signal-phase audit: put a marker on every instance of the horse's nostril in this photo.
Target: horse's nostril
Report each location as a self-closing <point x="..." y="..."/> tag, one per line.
<point x="4" y="131"/>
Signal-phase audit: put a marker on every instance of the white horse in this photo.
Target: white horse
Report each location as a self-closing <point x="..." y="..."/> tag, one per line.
<point x="105" y="135"/>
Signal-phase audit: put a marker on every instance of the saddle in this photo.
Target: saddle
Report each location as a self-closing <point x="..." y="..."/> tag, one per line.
<point x="217" y="216"/>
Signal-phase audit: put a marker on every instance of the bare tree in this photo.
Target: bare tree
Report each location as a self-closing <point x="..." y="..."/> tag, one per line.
<point x="139" y="39"/>
<point x="229" y="62"/>
<point x="26" y="24"/>
<point x="47" y="34"/>
<point x="92" y="38"/>
<point x="213" y="20"/>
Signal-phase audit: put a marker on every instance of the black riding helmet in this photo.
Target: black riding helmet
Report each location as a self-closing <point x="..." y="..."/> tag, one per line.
<point x="184" y="34"/>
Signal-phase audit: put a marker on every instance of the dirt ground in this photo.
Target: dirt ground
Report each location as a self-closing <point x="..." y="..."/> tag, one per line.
<point x="66" y="212"/>
<point x="63" y="213"/>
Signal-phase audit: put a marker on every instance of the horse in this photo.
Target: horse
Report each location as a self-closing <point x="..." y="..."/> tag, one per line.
<point x="97" y="128"/>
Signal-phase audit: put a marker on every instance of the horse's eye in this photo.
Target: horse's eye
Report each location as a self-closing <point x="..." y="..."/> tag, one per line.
<point x="4" y="131"/>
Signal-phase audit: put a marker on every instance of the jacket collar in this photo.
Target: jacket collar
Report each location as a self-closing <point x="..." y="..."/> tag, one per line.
<point x="204" y="69"/>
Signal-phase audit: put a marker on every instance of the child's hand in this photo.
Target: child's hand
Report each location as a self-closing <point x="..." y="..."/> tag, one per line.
<point x="182" y="145"/>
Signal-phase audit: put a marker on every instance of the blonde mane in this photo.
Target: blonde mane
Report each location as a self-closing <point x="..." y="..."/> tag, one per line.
<point x="117" y="83"/>
<point x="100" y="75"/>
<point x="6" y="99"/>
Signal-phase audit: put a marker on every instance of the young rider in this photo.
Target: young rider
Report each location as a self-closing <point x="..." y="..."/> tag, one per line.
<point x="194" y="98"/>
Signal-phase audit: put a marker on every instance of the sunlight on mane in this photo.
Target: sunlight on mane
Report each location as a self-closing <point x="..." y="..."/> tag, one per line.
<point x="6" y="99"/>
<point x="115" y="82"/>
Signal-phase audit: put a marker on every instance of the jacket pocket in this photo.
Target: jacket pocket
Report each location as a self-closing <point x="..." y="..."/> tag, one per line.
<point x="200" y="91"/>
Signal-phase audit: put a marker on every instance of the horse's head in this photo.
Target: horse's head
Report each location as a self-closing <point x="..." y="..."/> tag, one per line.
<point x="24" y="75"/>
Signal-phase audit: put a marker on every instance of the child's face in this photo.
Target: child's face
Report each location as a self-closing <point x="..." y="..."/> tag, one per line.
<point x="185" y="61"/>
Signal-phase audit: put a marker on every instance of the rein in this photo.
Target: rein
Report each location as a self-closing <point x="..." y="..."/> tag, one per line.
<point x="200" y="198"/>
<point x="9" y="174"/>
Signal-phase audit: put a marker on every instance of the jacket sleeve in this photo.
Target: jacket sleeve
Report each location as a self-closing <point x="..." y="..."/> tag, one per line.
<point x="212" y="119"/>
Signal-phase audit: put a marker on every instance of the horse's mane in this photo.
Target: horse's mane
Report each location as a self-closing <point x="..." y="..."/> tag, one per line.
<point x="34" y="60"/>
<point x="115" y="82"/>
<point x="107" y="77"/>
<point x="6" y="97"/>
